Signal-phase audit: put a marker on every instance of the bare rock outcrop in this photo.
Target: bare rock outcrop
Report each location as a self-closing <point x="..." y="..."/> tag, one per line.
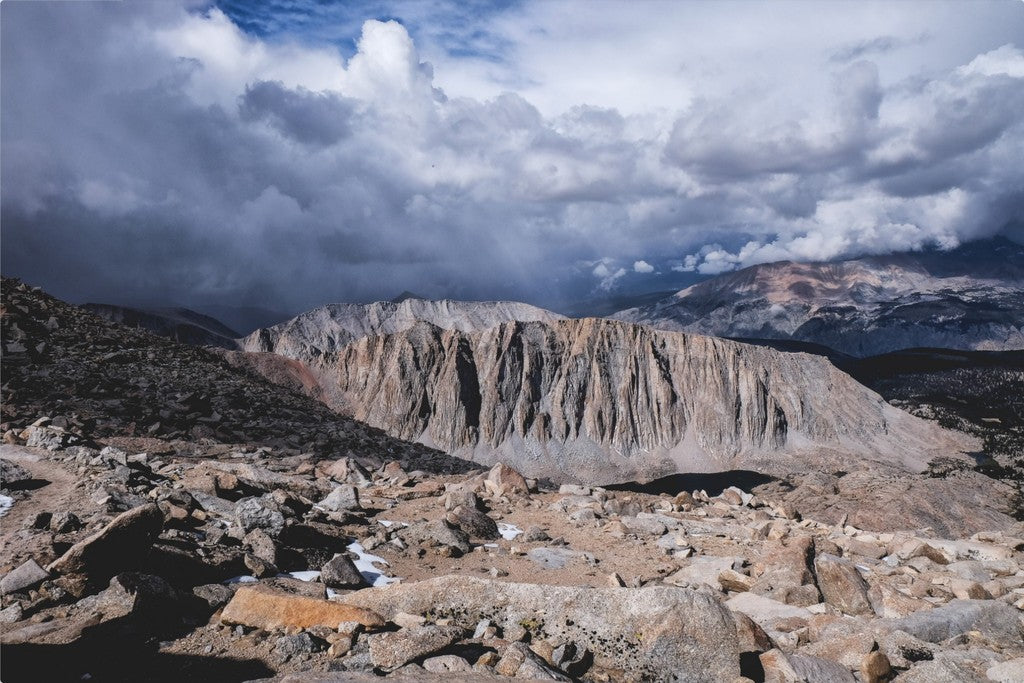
<point x="325" y="330"/>
<point x="601" y="401"/>
<point x="666" y="633"/>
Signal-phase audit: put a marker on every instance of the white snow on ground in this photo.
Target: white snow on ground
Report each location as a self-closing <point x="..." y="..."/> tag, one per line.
<point x="366" y="566"/>
<point x="508" y="531"/>
<point x="242" y="579"/>
<point x="6" y="503"/>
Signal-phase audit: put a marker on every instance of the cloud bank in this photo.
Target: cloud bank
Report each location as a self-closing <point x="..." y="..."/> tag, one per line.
<point x="162" y="153"/>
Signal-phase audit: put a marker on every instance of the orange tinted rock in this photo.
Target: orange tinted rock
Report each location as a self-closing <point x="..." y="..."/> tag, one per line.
<point x="262" y="608"/>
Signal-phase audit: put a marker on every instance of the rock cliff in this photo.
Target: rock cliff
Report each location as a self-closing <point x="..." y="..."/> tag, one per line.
<point x="604" y="401"/>
<point x="325" y="330"/>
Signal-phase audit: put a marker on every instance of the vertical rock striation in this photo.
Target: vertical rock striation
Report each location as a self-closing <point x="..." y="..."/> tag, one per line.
<point x="602" y="400"/>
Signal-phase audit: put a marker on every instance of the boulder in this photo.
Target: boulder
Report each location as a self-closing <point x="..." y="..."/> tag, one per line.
<point x="347" y="471"/>
<point x="259" y="513"/>
<point x="27" y="575"/>
<point x="842" y="585"/>
<point x="260" y="607"/>
<point x="787" y="575"/>
<point x="503" y="480"/>
<point x="765" y="611"/>
<point x="643" y="526"/>
<point x="340" y="499"/>
<point x="261" y="545"/>
<point x="473" y="522"/>
<point x="645" y="632"/>
<point x="445" y="663"/>
<point x="341" y="572"/>
<point x="995" y="621"/>
<point x="875" y="667"/>
<point x="391" y="650"/>
<point x="122" y="544"/>
<point x="437" y="533"/>
<point x="796" y="668"/>
<point x="297" y="645"/>
<point x="704" y="569"/>
<point x="1010" y="671"/>
<point x="12" y="474"/>
<point x="518" y="661"/>
<point x="139" y="595"/>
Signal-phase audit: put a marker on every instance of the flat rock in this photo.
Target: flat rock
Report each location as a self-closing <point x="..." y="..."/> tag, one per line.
<point x="686" y="632"/>
<point x="554" y="558"/>
<point x="392" y="650"/>
<point x="260" y="607"/>
<point x="122" y="544"/>
<point x="765" y="611"/>
<point x="797" y="668"/>
<point x="444" y="663"/>
<point x="1011" y="671"/>
<point x="995" y="620"/>
<point x="704" y="569"/>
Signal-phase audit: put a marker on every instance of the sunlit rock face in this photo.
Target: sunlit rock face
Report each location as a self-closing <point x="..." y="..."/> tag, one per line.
<point x="968" y="298"/>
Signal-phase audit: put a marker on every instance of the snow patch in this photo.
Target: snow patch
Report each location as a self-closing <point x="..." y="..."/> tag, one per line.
<point x="6" y="503"/>
<point x="508" y="531"/>
<point x="242" y="579"/>
<point x="366" y="564"/>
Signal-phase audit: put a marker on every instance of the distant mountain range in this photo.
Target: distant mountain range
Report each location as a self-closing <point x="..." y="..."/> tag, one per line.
<point x="967" y="298"/>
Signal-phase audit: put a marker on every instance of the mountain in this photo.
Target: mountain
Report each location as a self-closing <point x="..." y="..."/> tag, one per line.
<point x="179" y="324"/>
<point x="324" y="331"/>
<point x="603" y="401"/>
<point x="108" y="380"/>
<point x="971" y="297"/>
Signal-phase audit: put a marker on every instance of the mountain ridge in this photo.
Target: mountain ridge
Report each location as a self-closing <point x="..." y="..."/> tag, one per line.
<point x="969" y="298"/>
<point x="603" y="401"/>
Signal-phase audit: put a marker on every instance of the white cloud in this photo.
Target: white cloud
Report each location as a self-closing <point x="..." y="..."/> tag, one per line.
<point x="642" y="267"/>
<point x="505" y="175"/>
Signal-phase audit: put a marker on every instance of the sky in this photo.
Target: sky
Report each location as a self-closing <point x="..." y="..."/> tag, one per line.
<point x="289" y="153"/>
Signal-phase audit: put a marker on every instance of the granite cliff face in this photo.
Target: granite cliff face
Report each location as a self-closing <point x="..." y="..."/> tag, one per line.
<point x="605" y="401"/>
<point x="968" y="298"/>
<point x="324" y="331"/>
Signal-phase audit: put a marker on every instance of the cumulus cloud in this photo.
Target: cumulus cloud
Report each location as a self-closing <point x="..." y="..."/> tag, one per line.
<point x="171" y="153"/>
<point x="642" y="267"/>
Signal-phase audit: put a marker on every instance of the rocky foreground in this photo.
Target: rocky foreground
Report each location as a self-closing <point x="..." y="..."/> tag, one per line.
<point x="169" y="514"/>
<point x="145" y="566"/>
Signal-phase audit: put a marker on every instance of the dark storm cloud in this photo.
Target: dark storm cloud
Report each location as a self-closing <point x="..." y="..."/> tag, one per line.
<point x="874" y="46"/>
<point x="313" y="118"/>
<point x="154" y="152"/>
